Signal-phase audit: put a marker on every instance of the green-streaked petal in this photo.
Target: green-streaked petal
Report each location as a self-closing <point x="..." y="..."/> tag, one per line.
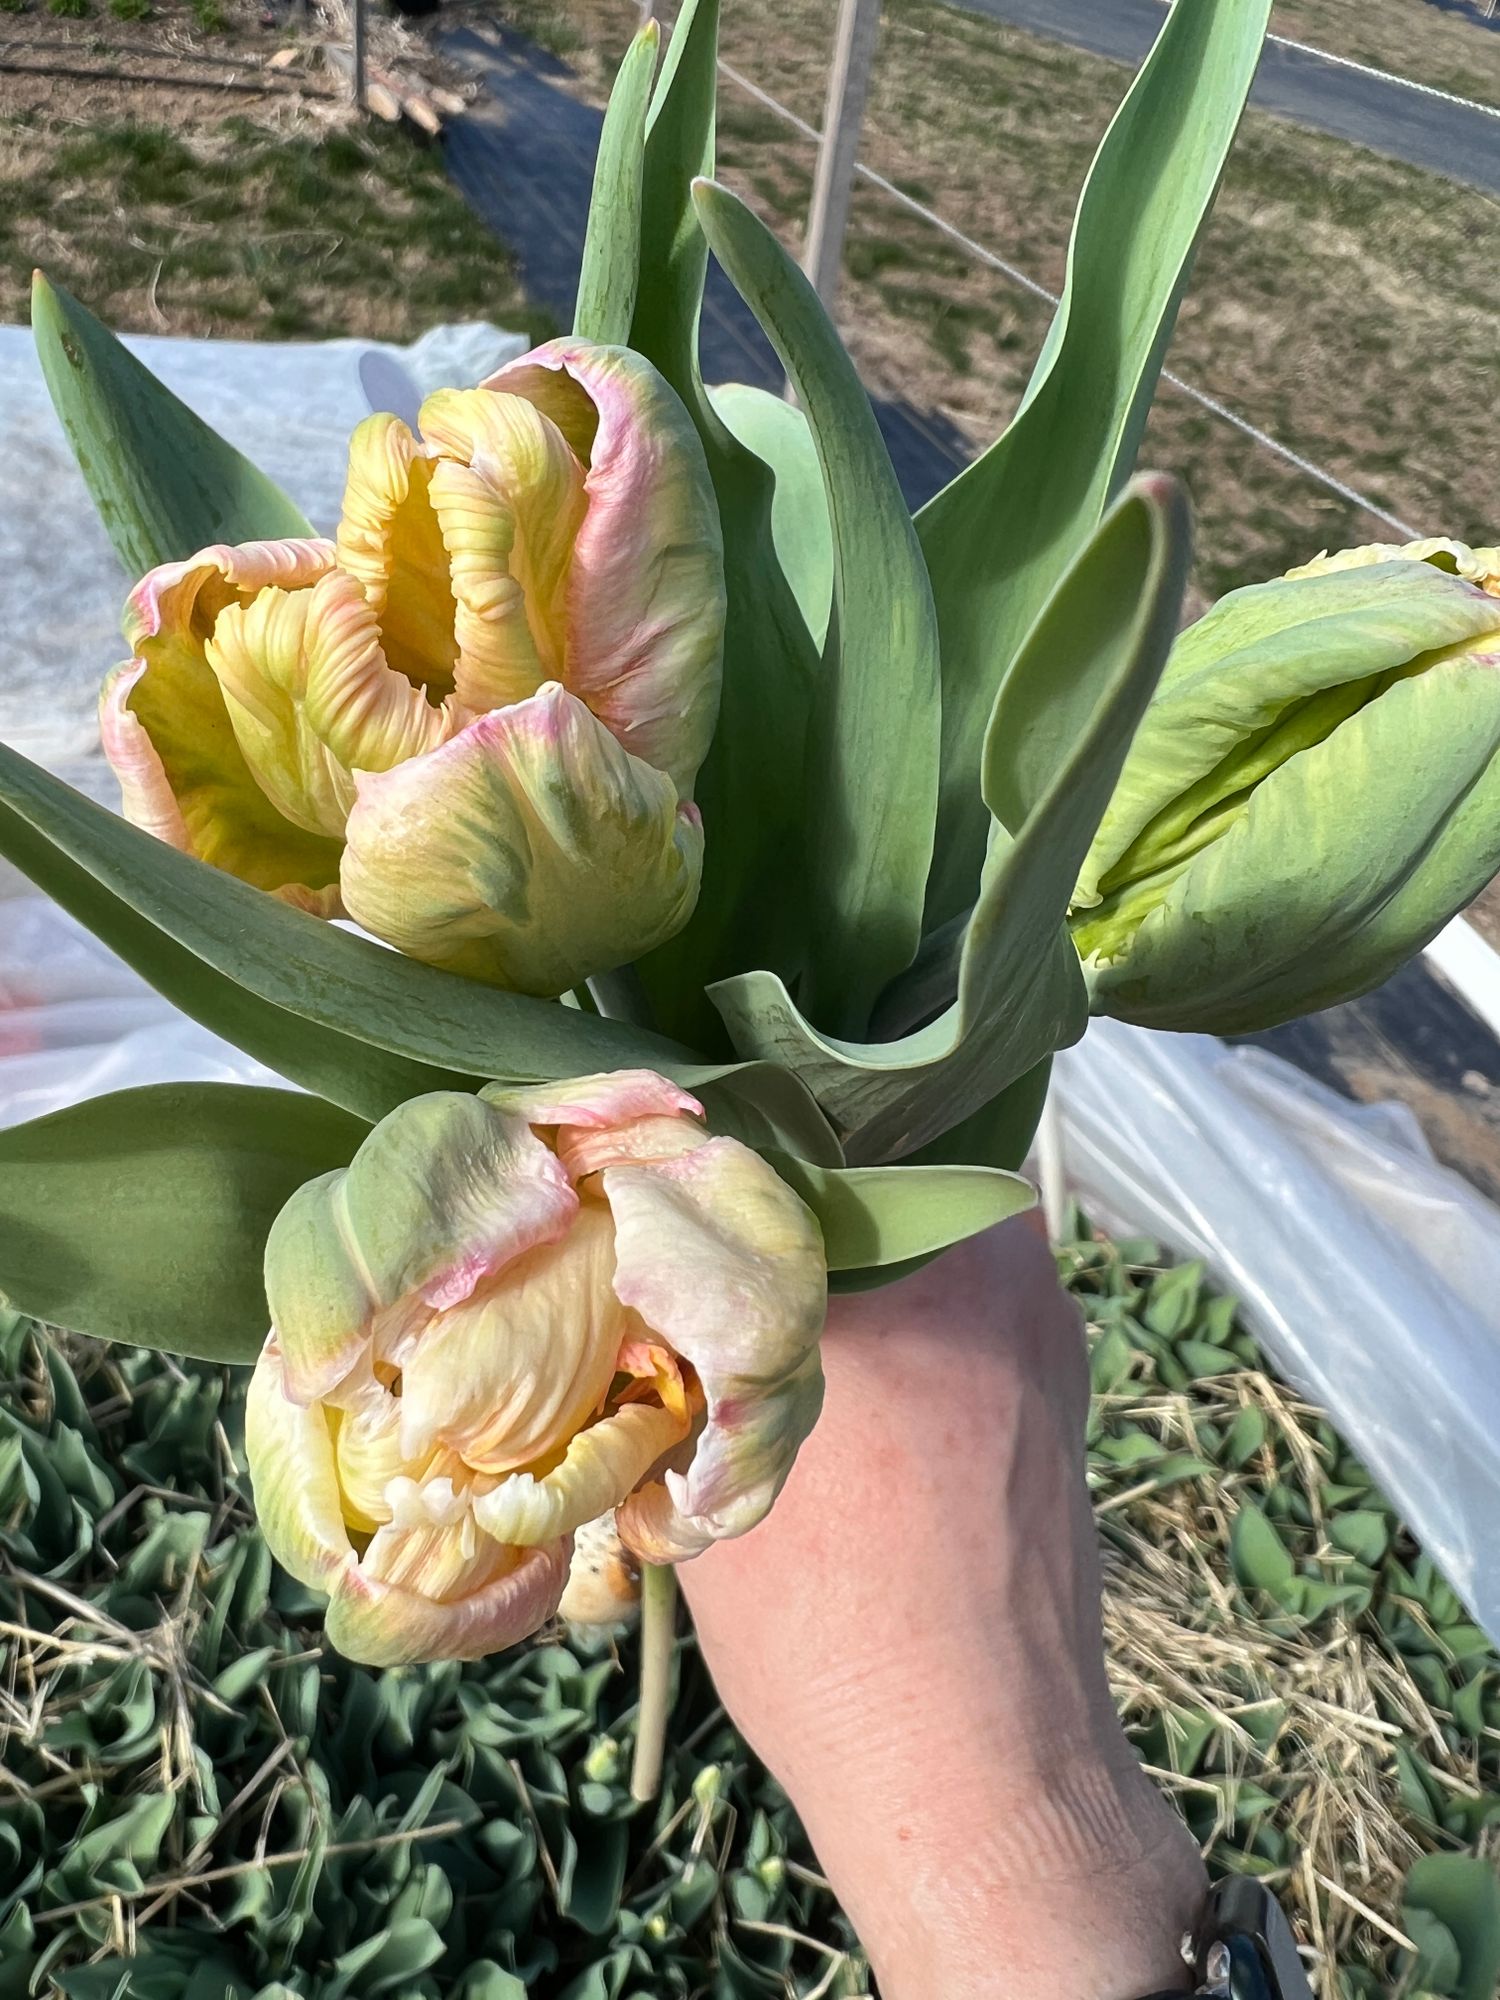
<point x="718" y="1256"/>
<point x="601" y="1466"/>
<point x="645" y="594"/>
<point x="505" y="1596"/>
<point x="508" y="493"/>
<point x="166" y="728"/>
<point x="291" y="1458"/>
<point x="441" y="1195"/>
<point x="389" y="539"/>
<point x="531" y="851"/>
<point x="506" y="1377"/>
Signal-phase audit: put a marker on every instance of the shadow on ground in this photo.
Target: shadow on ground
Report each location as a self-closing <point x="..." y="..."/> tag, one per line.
<point x="523" y="157"/>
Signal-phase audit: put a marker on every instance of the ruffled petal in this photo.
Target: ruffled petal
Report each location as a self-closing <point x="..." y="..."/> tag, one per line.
<point x="291" y="1456"/>
<point x="506" y="1596"/>
<point x="1477" y="566"/>
<point x="601" y="1121"/>
<point x="507" y="1377"/>
<point x="508" y="494"/>
<point x="444" y="1193"/>
<point x="167" y="730"/>
<point x="530" y="851"/>
<point x="604" y="1584"/>
<point x="368" y="716"/>
<point x="645" y="593"/>
<point x="600" y="1467"/>
<point x="389" y="539"/>
<point x="721" y="1259"/>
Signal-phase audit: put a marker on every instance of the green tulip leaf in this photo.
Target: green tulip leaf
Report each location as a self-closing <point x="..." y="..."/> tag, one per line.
<point x="612" y="245"/>
<point x="143" y="1216"/>
<point x="1460" y="1893"/>
<point x="348" y="1071"/>
<point x="874" y="788"/>
<point x="877" y="1216"/>
<point x="307" y="968"/>
<point x="164" y="482"/>
<point x="777" y="432"/>
<point x="750" y="789"/>
<point x="1092" y="658"/>
<point x="1001" y="535"/>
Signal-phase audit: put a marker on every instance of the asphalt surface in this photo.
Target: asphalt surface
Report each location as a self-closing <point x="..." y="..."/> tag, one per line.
<point x="1391" y="118"/>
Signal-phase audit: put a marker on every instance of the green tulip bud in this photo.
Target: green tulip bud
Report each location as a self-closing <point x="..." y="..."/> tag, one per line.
<point x="1312" y="794"/>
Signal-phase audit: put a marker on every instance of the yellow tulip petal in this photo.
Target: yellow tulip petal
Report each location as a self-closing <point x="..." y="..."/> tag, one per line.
<point x="167" y="730"/>
<point x="601" y="1466"/>
<point x="604" y="1585"/>
<point x="367" y="1456"/>
<point x="389" y="539"/>
<point x="530" y="851"/>
<point x="386" y="1624"/>
<point x="511" y="1373"/>
<point x="1477" y="566"/>
<point x="369" y="716"/>
<point x="721" y="1259"/>
<point x="509" y="495"/>
<point x="645" y="590"/>
<point x="291" y="1457"/>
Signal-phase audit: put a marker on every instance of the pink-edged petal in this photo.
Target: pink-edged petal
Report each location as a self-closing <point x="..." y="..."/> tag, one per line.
<point x="167" y="730"/>
<point x="618" y="1097"/>
<point x="530" y="851"/>
<point x="604" y="1584"/>
<point x="291" y="1456"/>
<point x="507" y="1377"/>
<point x="600" y="1467"/>
<point x="509" y="498"/>
<point x="445" y="1192"/>
<point x="721" y="1259"/>
<point x="645" y="593"/>
<point x="390" y="542"/>
<point x="507" y="1595"/>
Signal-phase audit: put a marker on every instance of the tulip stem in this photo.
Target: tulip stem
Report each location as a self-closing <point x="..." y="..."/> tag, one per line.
<point x="658" y="1639"/>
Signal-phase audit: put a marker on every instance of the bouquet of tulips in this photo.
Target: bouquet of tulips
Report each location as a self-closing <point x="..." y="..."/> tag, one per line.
<point x="666" y="868"/>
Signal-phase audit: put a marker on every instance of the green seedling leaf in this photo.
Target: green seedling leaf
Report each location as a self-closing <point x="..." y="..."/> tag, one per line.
<point x="1461" y="1893"/>
<point x="1259" y="1557"/>
<point x="142" y="1216"/>
<point x="165" y="484"/>
<point x="610" y="274"/>
<point x="1365" y="1535"/>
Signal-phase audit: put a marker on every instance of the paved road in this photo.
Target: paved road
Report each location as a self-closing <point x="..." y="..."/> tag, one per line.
<point x="1389" y="118"/>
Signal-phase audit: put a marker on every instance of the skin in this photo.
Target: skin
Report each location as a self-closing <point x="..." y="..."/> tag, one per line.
<point x="912" y="1642"/>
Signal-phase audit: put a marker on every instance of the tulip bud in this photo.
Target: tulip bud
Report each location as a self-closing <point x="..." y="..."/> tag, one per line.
<point x="1312" y="794"/>
<point x="513" y="1314"/>
<point x="472" y="722"/>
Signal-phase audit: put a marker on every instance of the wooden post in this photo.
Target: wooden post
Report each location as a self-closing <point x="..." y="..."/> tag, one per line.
<point x="843" y="115"/>
<point x="359" y="12"/>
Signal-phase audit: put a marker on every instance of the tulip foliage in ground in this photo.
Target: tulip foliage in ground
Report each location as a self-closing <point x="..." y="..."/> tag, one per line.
<point x="660" y="742"/>
<point x="202" y="1784"/>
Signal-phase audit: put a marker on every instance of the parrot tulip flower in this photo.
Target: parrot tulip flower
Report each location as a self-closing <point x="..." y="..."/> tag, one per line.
<point x="1313" y="793"/>
<point x="472" y="722"/>
<point x="510" y="1315"/>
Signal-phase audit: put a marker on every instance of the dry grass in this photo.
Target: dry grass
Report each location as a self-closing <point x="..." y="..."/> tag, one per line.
<point x="1448" y="44"/>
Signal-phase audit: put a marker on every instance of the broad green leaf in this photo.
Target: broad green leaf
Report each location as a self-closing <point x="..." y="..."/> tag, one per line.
<point x="164" y="482"/>
<point x="776" y="431"/>
<point x="874" y="1216"/>
<point x="313" y="969"/>
<point x="872" y="784"/>
<point x="365" y="1080"/>
<point x="142" y="1216"/>
<point x="1000" y="536"/>
<point x="1462" y="1893"/>
<point x="1094" y="656"/>
<point x="751" y="910"/>
<point x="612" y="246"/>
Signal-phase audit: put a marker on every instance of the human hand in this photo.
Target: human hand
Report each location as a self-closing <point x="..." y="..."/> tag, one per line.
<point x="912" y="1642"/>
